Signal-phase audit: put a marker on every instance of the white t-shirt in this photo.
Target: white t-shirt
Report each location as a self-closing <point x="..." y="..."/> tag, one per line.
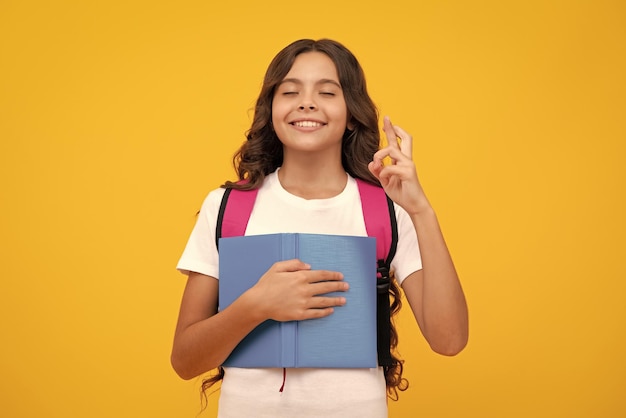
<point x="307" y="392"/>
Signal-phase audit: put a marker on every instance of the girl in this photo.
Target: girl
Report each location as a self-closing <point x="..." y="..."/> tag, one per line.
<point x="315" y="130"/>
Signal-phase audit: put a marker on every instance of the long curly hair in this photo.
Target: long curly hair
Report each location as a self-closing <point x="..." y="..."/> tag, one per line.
<point x="262" y="153"/>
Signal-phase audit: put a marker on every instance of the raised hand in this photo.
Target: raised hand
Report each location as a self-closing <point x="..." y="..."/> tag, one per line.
<point x="399" y="179"/>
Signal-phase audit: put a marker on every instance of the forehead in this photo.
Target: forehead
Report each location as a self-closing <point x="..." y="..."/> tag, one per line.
<point x="313" y="66"/>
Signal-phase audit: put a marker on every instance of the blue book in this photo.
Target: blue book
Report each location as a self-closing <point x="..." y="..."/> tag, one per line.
<point x="345" y="339"/>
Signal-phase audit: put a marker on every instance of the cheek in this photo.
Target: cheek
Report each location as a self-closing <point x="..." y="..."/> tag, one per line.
<point x="278" y="111"/>
<point x="342" y="114"/>
<point x="341" y="111"/>
<point x="277" y="119"/>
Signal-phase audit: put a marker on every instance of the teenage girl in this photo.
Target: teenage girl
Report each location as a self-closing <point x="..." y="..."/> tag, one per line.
<point x="315" y="130"/>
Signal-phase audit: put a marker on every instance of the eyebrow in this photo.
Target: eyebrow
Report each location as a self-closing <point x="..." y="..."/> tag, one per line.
<point x="318" y="82"/>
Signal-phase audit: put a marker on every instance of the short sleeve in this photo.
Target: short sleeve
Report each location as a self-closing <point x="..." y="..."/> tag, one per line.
<point x="200" y="253"/>
<point x="407" y="259"/>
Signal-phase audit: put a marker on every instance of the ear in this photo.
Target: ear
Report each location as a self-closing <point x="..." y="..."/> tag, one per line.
<point x="350" y="124"/>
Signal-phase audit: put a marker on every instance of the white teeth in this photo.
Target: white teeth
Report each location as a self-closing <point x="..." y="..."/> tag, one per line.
<point x="307" y="124"/>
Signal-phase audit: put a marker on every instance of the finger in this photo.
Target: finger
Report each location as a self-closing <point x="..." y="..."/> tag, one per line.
<point x="406" y="141"/>
<point x="316" y="313"/>
<point x="394" y="153"/>
<point x="290" y="265"/>
<point x="327" y="302"/>
<point x="375" y="166"/>
<point x="395" y="171"/>
<point x="324" y="276"/>
<point x="326" y="288"/>
<point x="390" y="133"/>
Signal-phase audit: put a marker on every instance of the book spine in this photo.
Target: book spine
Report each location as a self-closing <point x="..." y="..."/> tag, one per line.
<point x="288" y="330"/>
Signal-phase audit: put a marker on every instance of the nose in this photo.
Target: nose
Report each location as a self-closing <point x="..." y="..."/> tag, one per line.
<point x="307" y="102"/>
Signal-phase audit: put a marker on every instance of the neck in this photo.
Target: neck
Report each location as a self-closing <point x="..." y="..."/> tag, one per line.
<point x="312" y="178"/>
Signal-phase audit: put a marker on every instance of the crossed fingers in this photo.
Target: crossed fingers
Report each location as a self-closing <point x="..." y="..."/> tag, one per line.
<point x="399" y="145"/>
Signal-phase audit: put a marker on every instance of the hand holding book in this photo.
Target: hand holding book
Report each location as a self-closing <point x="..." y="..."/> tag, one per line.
<point x="291" y="291"/>
<point x="340" y="326"/>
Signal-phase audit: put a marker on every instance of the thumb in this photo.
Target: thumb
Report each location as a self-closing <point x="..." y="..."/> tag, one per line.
<point x="375" y="166"/>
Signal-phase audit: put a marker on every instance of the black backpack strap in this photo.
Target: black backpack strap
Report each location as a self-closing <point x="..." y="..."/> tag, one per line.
<point x="383" y="309"/>
<point x="394" y="232"/>
<point x="220" y="217"/>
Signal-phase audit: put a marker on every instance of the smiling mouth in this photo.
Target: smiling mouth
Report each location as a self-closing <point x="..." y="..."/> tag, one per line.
<point x="307" y="124"/>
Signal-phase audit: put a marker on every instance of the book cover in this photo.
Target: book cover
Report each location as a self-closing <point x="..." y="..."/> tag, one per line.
<point x="345" y="339"/>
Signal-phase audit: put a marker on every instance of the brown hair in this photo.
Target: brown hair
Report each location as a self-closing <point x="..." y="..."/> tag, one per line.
<point x="262" y="153"/>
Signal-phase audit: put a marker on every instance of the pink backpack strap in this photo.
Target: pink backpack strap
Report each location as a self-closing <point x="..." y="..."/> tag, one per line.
<point x="237" y="205"/>
<point x="234" y="213"/>
<point x="377" y="213"/>
<point x="381" y="223"/>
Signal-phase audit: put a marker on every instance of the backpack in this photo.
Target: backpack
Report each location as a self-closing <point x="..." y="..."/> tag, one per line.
<point x="380" y="223"/>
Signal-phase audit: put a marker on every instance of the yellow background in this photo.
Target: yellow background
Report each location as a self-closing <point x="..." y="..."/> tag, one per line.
<point x="116" y="118"/>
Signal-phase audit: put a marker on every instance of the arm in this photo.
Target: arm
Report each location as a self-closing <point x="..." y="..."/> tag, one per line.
<point x="205" y="337"/>
<point x="434" y="293"/>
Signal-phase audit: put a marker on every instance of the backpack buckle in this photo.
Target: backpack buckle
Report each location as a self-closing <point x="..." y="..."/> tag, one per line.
<point x="382" y="274"/>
